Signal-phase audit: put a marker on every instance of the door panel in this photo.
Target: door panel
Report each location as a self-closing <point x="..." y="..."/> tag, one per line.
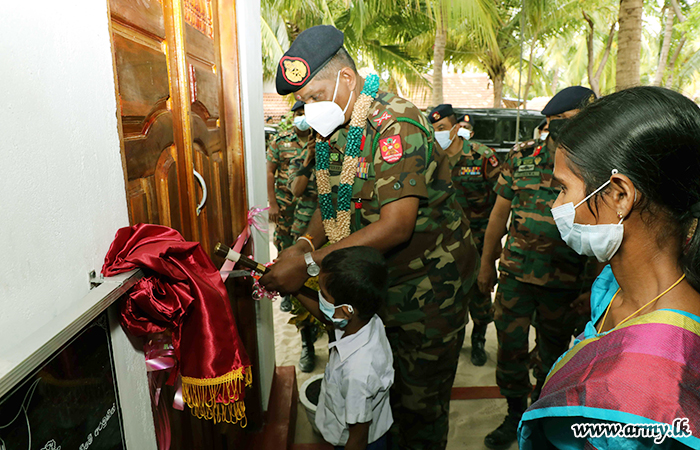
<point x="175" y="118"/>
<point x="144" y="15"/>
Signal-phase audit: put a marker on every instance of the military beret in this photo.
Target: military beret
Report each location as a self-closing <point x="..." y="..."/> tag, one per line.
<point x="573" y="97"/>
<point x="308" y="54"/>
<point x="440" y="112"/>
<point x="299" y="104"/>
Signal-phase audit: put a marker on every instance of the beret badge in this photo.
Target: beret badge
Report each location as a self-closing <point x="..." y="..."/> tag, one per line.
<point x="295" y="70"/>
<point x="436" y="116"/>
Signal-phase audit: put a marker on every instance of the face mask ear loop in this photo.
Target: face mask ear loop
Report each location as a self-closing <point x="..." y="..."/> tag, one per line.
<point x="335" y="91"/>
<point x="614" y="171"/>
<point x="348" y="103"/>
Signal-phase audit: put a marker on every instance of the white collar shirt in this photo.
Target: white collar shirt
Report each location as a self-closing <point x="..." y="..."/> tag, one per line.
<point x="355" y="387"/>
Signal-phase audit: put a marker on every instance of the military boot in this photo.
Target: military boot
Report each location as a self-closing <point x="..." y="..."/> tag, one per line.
<point x="478" y="342"/>
<point x="286" y="304"/>
<point x="507" y="433"/>
<point x="307" y="362"/>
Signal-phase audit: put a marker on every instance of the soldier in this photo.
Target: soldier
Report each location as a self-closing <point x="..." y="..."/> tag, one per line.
<point x="383" y="182"/>
<point x="467" y="129"/>
<point x="302" y="184"/>
<point x="283" y="148"/>
<point x="475" y="170"/>
<point x="538" y="271"/>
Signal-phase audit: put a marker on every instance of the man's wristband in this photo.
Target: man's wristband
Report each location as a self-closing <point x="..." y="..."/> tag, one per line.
<point x="304" y="238"/>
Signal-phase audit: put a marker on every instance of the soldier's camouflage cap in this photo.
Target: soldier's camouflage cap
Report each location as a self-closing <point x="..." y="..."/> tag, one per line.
<point x="308" y="54"/>
<point x="573" y="97"/>
<point x="440" y="112"/>
<point x="297" y="105"/>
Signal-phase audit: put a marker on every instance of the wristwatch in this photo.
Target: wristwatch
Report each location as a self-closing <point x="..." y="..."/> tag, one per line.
<point x="311" y="267"/>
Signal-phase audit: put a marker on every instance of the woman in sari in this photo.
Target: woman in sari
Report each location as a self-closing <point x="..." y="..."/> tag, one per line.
<point x="629" y="166"/>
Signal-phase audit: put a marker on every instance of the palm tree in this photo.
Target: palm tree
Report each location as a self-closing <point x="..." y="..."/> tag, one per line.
<point x="377" y="33"/>
<point x="479" y="18"/>
<point x="629" y="43"/>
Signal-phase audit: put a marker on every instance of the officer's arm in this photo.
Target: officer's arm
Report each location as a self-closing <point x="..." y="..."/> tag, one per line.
<point x="495" y="231"/>
<point x="300" y="180"/>
<point x="395" y="226"/>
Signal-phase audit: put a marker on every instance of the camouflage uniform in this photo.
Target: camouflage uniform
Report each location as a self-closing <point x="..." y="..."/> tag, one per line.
<point x="538" y="271"/>
<point x="426" y="308"/>
<point x="283" y="148"/>
<point x="305" y="208"/>
<point x="475" y="171"/>
<point x="307" y="203"/>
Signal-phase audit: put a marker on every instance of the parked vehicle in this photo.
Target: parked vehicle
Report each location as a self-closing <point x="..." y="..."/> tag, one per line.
<point x="495" y="127"/>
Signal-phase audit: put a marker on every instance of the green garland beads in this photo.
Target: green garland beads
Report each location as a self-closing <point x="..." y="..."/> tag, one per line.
<point x="337" y="221"/>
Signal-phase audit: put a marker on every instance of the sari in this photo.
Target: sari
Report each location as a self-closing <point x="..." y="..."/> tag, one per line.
<point x="645" y="372"/>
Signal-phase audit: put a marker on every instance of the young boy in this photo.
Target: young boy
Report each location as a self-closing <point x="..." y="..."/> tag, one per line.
<point x="353" y="408"/>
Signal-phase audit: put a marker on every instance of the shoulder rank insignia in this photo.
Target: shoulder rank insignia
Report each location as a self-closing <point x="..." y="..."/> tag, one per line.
<point x="382" y="118"/>
<point x="376" y="111"/>
<point x="494" y="161"/>
<point x="391" y="148"/>
<point x="362" y="168"/>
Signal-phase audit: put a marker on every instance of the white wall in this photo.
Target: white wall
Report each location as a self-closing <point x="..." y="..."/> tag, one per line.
<point x="62" y="194"/>
<point x="250" y="54"/>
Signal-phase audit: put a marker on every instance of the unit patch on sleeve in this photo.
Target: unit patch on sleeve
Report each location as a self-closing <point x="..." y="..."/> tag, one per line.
<point x="494" y="161"/>
<point x="391" y="148"/>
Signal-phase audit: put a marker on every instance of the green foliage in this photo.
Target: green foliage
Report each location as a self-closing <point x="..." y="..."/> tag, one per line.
<point x="395" y="38"/>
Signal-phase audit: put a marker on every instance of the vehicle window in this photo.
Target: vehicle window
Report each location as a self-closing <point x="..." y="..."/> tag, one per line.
<point x="485" y="130"/>
<point x="508" y="130"/>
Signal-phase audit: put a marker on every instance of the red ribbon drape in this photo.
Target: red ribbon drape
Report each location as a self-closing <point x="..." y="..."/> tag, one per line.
<point x="183" y="292"/>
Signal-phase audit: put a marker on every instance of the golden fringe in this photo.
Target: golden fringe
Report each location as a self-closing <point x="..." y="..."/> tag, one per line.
<point x="200" y="394"/>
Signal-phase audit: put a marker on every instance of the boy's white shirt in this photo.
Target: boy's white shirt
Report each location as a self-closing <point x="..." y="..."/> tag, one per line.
<point x="355" y="387"/>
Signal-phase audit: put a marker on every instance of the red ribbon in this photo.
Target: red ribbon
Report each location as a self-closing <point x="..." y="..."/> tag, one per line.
<point x="254" y="214"/>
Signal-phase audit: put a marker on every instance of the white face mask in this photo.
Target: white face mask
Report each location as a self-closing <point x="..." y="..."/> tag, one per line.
<point x="464" y="133"/>
<point x="301" y="124"/>
<point x="443" y="138"/>
<point x="544" y="135"/>
<point x="601" y="241"/>
<point x="328" y="310"/>
<point x="325" y="117"/>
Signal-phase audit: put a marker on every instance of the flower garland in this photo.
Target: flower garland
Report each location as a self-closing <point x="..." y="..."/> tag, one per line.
<point x="337" y="225"/>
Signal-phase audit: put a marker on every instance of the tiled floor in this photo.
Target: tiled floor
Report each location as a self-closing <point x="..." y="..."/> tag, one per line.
<point x="470" y="420"/>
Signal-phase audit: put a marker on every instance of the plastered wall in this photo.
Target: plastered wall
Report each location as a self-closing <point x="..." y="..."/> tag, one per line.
<point x="62" y="193"/>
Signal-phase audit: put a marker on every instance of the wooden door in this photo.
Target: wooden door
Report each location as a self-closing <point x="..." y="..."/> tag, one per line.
<point x="180" y="116"/>
<point x="176" y="69"/>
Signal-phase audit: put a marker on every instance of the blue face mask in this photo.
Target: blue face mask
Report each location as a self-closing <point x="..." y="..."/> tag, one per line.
<point x="301" y="124"/>
<point x="328" y="310"/>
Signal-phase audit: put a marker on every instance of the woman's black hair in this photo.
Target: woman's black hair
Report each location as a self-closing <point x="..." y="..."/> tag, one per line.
<point x="357" y="276"/>
<point x="651" y="135"/>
